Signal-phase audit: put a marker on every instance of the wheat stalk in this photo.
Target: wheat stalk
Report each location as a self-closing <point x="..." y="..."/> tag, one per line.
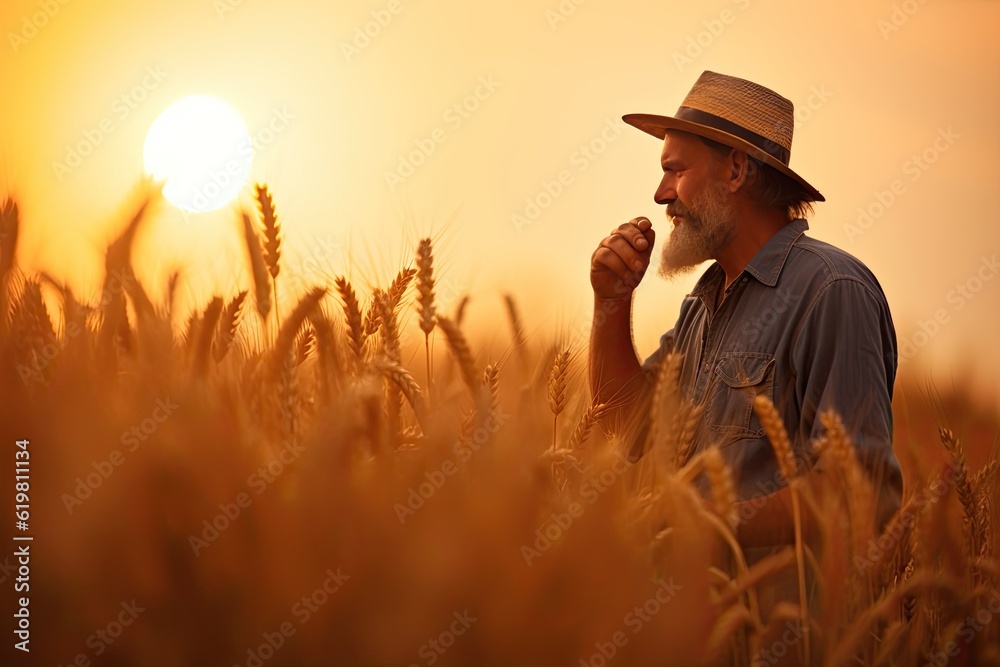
<point x="517" y="329"/>
<point x="984" y="475"/>
<point x="425" y="285"/>
<point x="778" y="436"/>
<point x="720" y="479"/>
<point x="229" y="322"/>
<point x="170" y="299"/>
<point x="9" y="227"/>
<point x="272" y="240"/>
<point x="591" y="416"/>
<point x="407" y="385"/>
<point x="459" y="347"/>
<point x="557" y="390"/>
<point x="965" y="491"/>
<point x="460" y="310"/>
<point x="686" y="436"/>
<point x="398" y="287"/>
<point x="206" y="333"/>
<point x="373" y="318"/>
<point x="115" y="329"/>
<point x="31" y="329"/>
<point x="305" y="344"/>
<point x="356" y="333"/>
<point x="389" y="328"/>
<point x="290" y="328"/>
<point x="258" y="268"/>
<point x="10" y="224"/>
<point x="898" y="533"/>
<point x="272" y="229"/>
<point x="328" y="352"/>
<point x="425" y="298"/>
<point x="491" y="381"/>
<point x="665" y="409"/>
<point x="837" y="446"/>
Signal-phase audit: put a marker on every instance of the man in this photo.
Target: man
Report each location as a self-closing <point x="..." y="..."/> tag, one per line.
<point x="777" y="313"/>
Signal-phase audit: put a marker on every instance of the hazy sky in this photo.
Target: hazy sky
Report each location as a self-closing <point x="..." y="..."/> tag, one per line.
<point x="379" y="122"/>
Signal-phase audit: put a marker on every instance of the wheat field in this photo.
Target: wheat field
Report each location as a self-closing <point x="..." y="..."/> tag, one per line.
<point x="343" y="478"/>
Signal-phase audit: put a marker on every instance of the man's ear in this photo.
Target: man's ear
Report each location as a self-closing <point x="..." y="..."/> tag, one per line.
<point x="739" y="169"/>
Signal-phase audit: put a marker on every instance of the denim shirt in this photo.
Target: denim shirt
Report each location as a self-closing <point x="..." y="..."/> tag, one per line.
<point x="806" y="324"/>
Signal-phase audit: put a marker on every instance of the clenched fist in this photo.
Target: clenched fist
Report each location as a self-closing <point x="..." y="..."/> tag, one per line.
<point x="620" y="261"/>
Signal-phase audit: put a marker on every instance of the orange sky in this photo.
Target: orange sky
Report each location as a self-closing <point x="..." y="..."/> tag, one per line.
<point x="897" y="107"/>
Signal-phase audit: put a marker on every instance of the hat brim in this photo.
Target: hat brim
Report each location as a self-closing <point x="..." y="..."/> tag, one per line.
<point x="657" y="126"/>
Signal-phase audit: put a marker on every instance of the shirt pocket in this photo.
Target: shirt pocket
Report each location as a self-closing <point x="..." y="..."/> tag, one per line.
<point x="740" y="378"/>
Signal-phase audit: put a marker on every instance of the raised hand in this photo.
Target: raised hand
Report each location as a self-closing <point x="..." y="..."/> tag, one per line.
<point x="620" y="261"/>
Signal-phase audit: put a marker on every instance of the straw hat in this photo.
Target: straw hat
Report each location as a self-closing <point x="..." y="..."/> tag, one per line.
<point x="737" y="113"/>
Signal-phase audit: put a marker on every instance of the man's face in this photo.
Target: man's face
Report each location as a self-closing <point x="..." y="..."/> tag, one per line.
<point x="694" y="189"/>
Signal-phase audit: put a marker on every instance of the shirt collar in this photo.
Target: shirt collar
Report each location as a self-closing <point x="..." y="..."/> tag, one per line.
<point x="765" y="266"/>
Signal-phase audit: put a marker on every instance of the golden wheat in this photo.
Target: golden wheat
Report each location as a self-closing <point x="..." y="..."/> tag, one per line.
<point x="272" y="229"/>
<point x="720" y="479"/>
<point x="356" y="330"/>
<point x="258" y="268"/>
<point x="459" y="347"/>
<point x="591" y="417"/>
<point x="229" y="322"/>
<point x="322" y="389"/>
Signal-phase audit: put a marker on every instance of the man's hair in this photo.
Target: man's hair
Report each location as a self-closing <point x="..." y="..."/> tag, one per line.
<point x="768" y="186"/>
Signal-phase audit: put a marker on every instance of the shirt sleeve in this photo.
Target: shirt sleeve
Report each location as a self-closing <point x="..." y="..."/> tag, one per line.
<point x="844" y="358"/>
<point x="651" y="365"/>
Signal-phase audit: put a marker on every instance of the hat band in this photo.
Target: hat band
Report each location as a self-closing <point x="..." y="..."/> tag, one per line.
<point x="773" y="149"/>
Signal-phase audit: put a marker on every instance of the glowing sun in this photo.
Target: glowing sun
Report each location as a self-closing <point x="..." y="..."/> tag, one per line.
<point x="200" y="148"/>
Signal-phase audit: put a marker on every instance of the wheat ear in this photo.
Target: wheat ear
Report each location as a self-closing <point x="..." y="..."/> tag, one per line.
<point x="491" y="381"/>
<point x="9" y="226"/>
<point x="557" y="390"/>
<point x="389" y="328"/>
<point x="290" y="328"/>
<point x="720" y="478"/>
<point x="407" y="385"/>
<point x="588" y="420"/>
<point x="964" y="488"/>
<point x="425" y="297"/>
<point x="463" y="354"/>
<point x="328" y="351"/>
<point x="206" y="334"/>
<point x="305" y="343"/>
<point x="272" y="240"/>
<point x="665" y="406"/>
<point x="398" y="287"/>
<point x="352" y="313"/>
<point x="860" y="502"/>
<point x="229" y="322"/>
<point x="258" y="268"/>
<point x="778" y="435"/>
<point x="460" y="310"/>
<point x="517" y="329"/>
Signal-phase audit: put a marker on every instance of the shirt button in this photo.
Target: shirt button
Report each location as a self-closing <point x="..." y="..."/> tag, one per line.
<point x="744" y="279"/>
<point x="704" y="367"/>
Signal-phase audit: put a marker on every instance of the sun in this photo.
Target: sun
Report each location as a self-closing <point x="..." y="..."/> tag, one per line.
<point x="200" y="148"/>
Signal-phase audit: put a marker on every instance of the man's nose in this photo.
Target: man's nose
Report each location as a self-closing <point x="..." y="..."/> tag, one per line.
<point x="665" y="193"/>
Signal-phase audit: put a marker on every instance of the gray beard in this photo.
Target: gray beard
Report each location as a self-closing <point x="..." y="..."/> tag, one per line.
<point x="707" y="227"/>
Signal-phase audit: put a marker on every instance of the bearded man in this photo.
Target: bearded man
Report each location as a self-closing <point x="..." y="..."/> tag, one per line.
<point x="778" y="313"/>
